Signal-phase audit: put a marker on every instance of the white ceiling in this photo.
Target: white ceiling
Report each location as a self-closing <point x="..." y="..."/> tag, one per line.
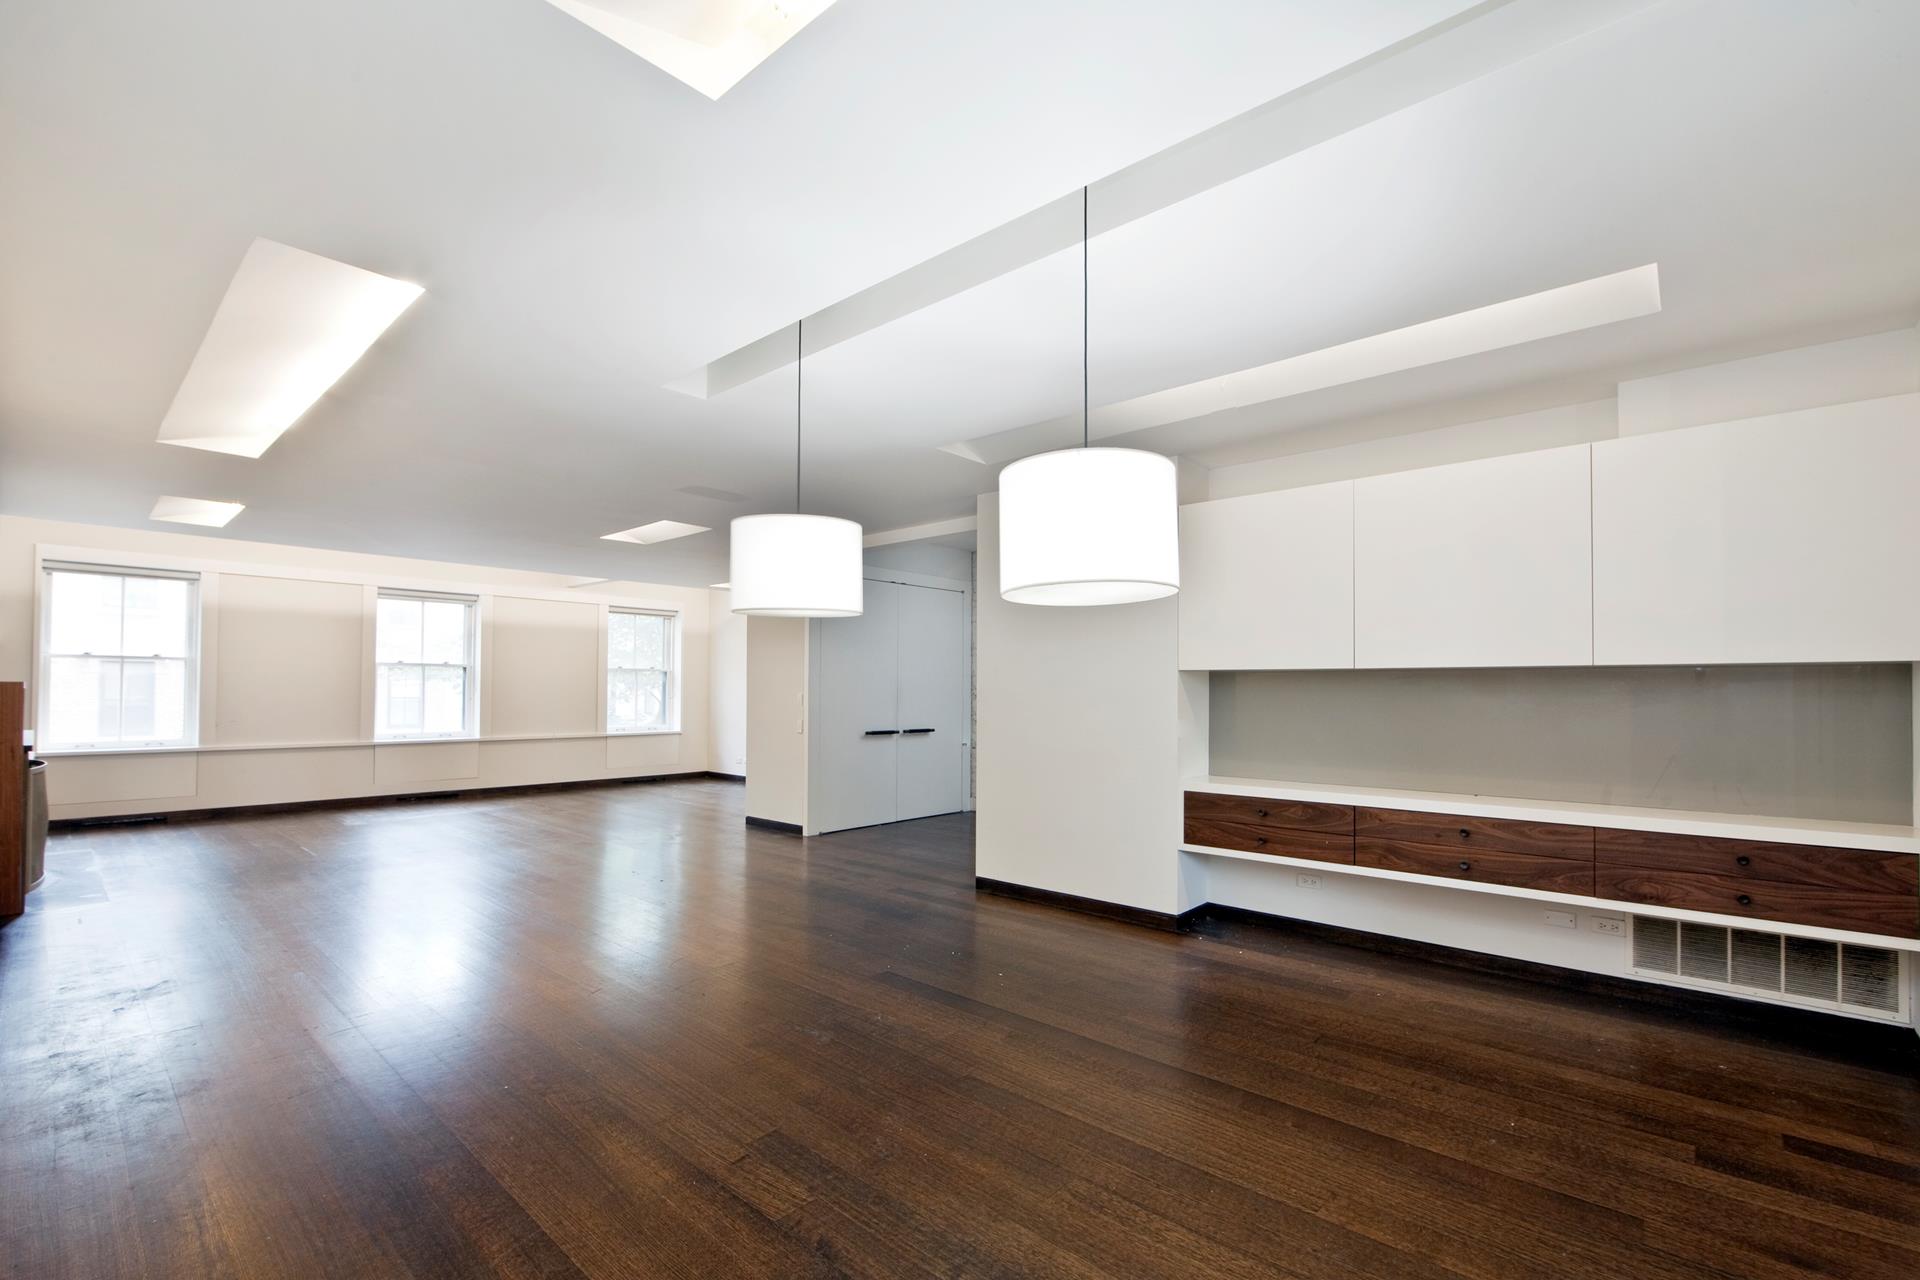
<point x="589" y="229"/>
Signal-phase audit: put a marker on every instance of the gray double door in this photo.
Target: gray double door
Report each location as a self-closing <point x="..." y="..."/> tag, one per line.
<point x="890" y="709"/>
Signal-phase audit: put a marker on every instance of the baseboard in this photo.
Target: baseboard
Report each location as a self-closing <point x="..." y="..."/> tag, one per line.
<point x="772" y="824"/>
<point x="366" y="802"/>
<point x="1852" y="1038"/>
<point x="1086" y="906"/>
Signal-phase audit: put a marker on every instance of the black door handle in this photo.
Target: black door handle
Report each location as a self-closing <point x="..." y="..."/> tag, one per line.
<point x="916" y="731"/>
<point x="880" y="733"/>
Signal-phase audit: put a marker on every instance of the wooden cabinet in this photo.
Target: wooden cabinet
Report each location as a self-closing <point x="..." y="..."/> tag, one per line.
<point x="1287" y="828"/>
<point x="1552" y="839"/>
<point x="1476" y="564"/>
<point x="1488" y="866"/>
<point x="1781" y="539"/>
<point x="1800" y="884"/>
<point x="1266" y="581"/>
<point x="1861" y="890"/>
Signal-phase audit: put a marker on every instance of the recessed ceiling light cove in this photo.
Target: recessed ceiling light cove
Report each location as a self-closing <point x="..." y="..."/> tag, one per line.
<point x="659" y="531"/>
<point x="708" y="44"/>
<point x="200" y="511"/>
<point x="290" y="325"/>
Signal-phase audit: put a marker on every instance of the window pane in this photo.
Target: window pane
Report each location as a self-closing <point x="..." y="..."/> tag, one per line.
<point x="445" y="633"/>
<point x="446" y="700"/>
<point x="83" y="702"/>
<point x="653" y="700"/>
<point x="623" y="714"/>
<point x="157" y="621"/>
<point x="85" y="613"/>
<point x="620" y="640"/>
<point x="650" y="642"/>
<point x="396" y="631"/>
<point x="397" y="699"/>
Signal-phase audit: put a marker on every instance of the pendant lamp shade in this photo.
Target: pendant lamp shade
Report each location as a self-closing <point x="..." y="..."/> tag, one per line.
<point x="1089" y="527"/>
<point x="795" y="566"/>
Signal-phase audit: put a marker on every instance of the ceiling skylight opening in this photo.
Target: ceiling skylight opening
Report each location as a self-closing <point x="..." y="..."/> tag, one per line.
<point x="710" y="45"/>
<point x="291" y="324"/>
<point x="200" y="511"/>
<point x="659" y="531"/>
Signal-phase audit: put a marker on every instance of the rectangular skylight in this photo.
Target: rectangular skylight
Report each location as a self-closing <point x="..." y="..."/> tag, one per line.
<point x="658" y="531"/>
<point x="200" y="511"/>
<point x="290" y="325"/>
<point x="708" y="44"/>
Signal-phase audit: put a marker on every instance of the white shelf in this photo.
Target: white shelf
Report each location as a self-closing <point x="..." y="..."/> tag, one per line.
<point x="1851" y="835"/>
<point x="1607" y="906"/>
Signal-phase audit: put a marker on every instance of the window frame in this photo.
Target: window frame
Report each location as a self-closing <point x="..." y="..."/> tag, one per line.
<point x="44" y="742"/>
<point x="470" y="704"/>
<point x="670" y="721"/>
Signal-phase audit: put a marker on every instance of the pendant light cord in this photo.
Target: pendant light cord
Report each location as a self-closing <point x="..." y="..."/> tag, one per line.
<point x="1086" y="400"/>
<point x="799" y="356"/>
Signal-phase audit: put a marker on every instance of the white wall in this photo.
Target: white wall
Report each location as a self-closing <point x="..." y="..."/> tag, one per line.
<point x="726" y="685"/>
<point x="1078" y="780"/>
<point x="777" y="718"/>
<point x="286" y="705"/>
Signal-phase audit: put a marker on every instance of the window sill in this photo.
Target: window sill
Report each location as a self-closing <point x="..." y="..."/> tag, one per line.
<point x="359" y="744"/>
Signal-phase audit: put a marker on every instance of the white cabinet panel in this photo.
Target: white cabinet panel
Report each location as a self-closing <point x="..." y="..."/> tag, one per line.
<point x="1267" y="581"/>
<point x="1789" y="538"/>
<point x="1476" y="564"/>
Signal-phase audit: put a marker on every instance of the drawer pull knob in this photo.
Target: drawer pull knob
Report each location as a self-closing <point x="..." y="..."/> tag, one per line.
<point x="1466" y="866"/>
<point x="1744" y="860"/>
<point x="1259" y="839"/>
<point x="1465" y="834"/>
<point x="1744" y="900"/>
<point x="1259" y="813"/>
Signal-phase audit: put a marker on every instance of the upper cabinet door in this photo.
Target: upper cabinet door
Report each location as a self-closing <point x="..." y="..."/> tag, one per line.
<point x="1476" y="564"/>
<point x="1266" y="581"/>
<point x="1790" y="538"/>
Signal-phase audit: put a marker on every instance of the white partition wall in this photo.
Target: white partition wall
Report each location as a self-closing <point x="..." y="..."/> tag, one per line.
<point x="1789" y="538"/>
<point x="1266" y="581"/>
<point x="1078" y="790"/>
<point x="1476" y="564"/>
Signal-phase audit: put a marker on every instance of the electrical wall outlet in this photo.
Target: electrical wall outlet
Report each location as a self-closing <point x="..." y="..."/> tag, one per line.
<point x="1609" y="924"/>
<point x="1306" y="881"/>
<point x="1561" y="919"/>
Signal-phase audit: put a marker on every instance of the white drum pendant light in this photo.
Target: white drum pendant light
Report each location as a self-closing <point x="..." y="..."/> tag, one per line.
<point x="796" y="566"/>
<point x="1089" y="526"/>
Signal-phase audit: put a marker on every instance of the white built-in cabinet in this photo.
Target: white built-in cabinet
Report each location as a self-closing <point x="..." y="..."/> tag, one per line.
<point x="1790" y="538"/>
<point x="1475" y="564"/>
<point x="1266" y="581"/>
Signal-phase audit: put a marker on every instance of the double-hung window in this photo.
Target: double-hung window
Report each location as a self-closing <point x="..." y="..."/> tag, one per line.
<point x="640" y="671"/>
<point x="424" y="683"/>
<point x="120" y="657"/>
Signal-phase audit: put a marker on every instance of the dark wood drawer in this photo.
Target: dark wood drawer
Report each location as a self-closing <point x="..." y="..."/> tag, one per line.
<point x="1287" y="815"/>
<point x="1485" y="866"/>
<point x="1550" y="839"/>
<point x="1863" y="869"/>
<point x="1321" y="846"/>
<point x="1896" y="914"/>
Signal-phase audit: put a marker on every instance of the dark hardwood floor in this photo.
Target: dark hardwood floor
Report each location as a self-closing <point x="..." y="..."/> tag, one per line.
<point x="614" y="1032"/>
